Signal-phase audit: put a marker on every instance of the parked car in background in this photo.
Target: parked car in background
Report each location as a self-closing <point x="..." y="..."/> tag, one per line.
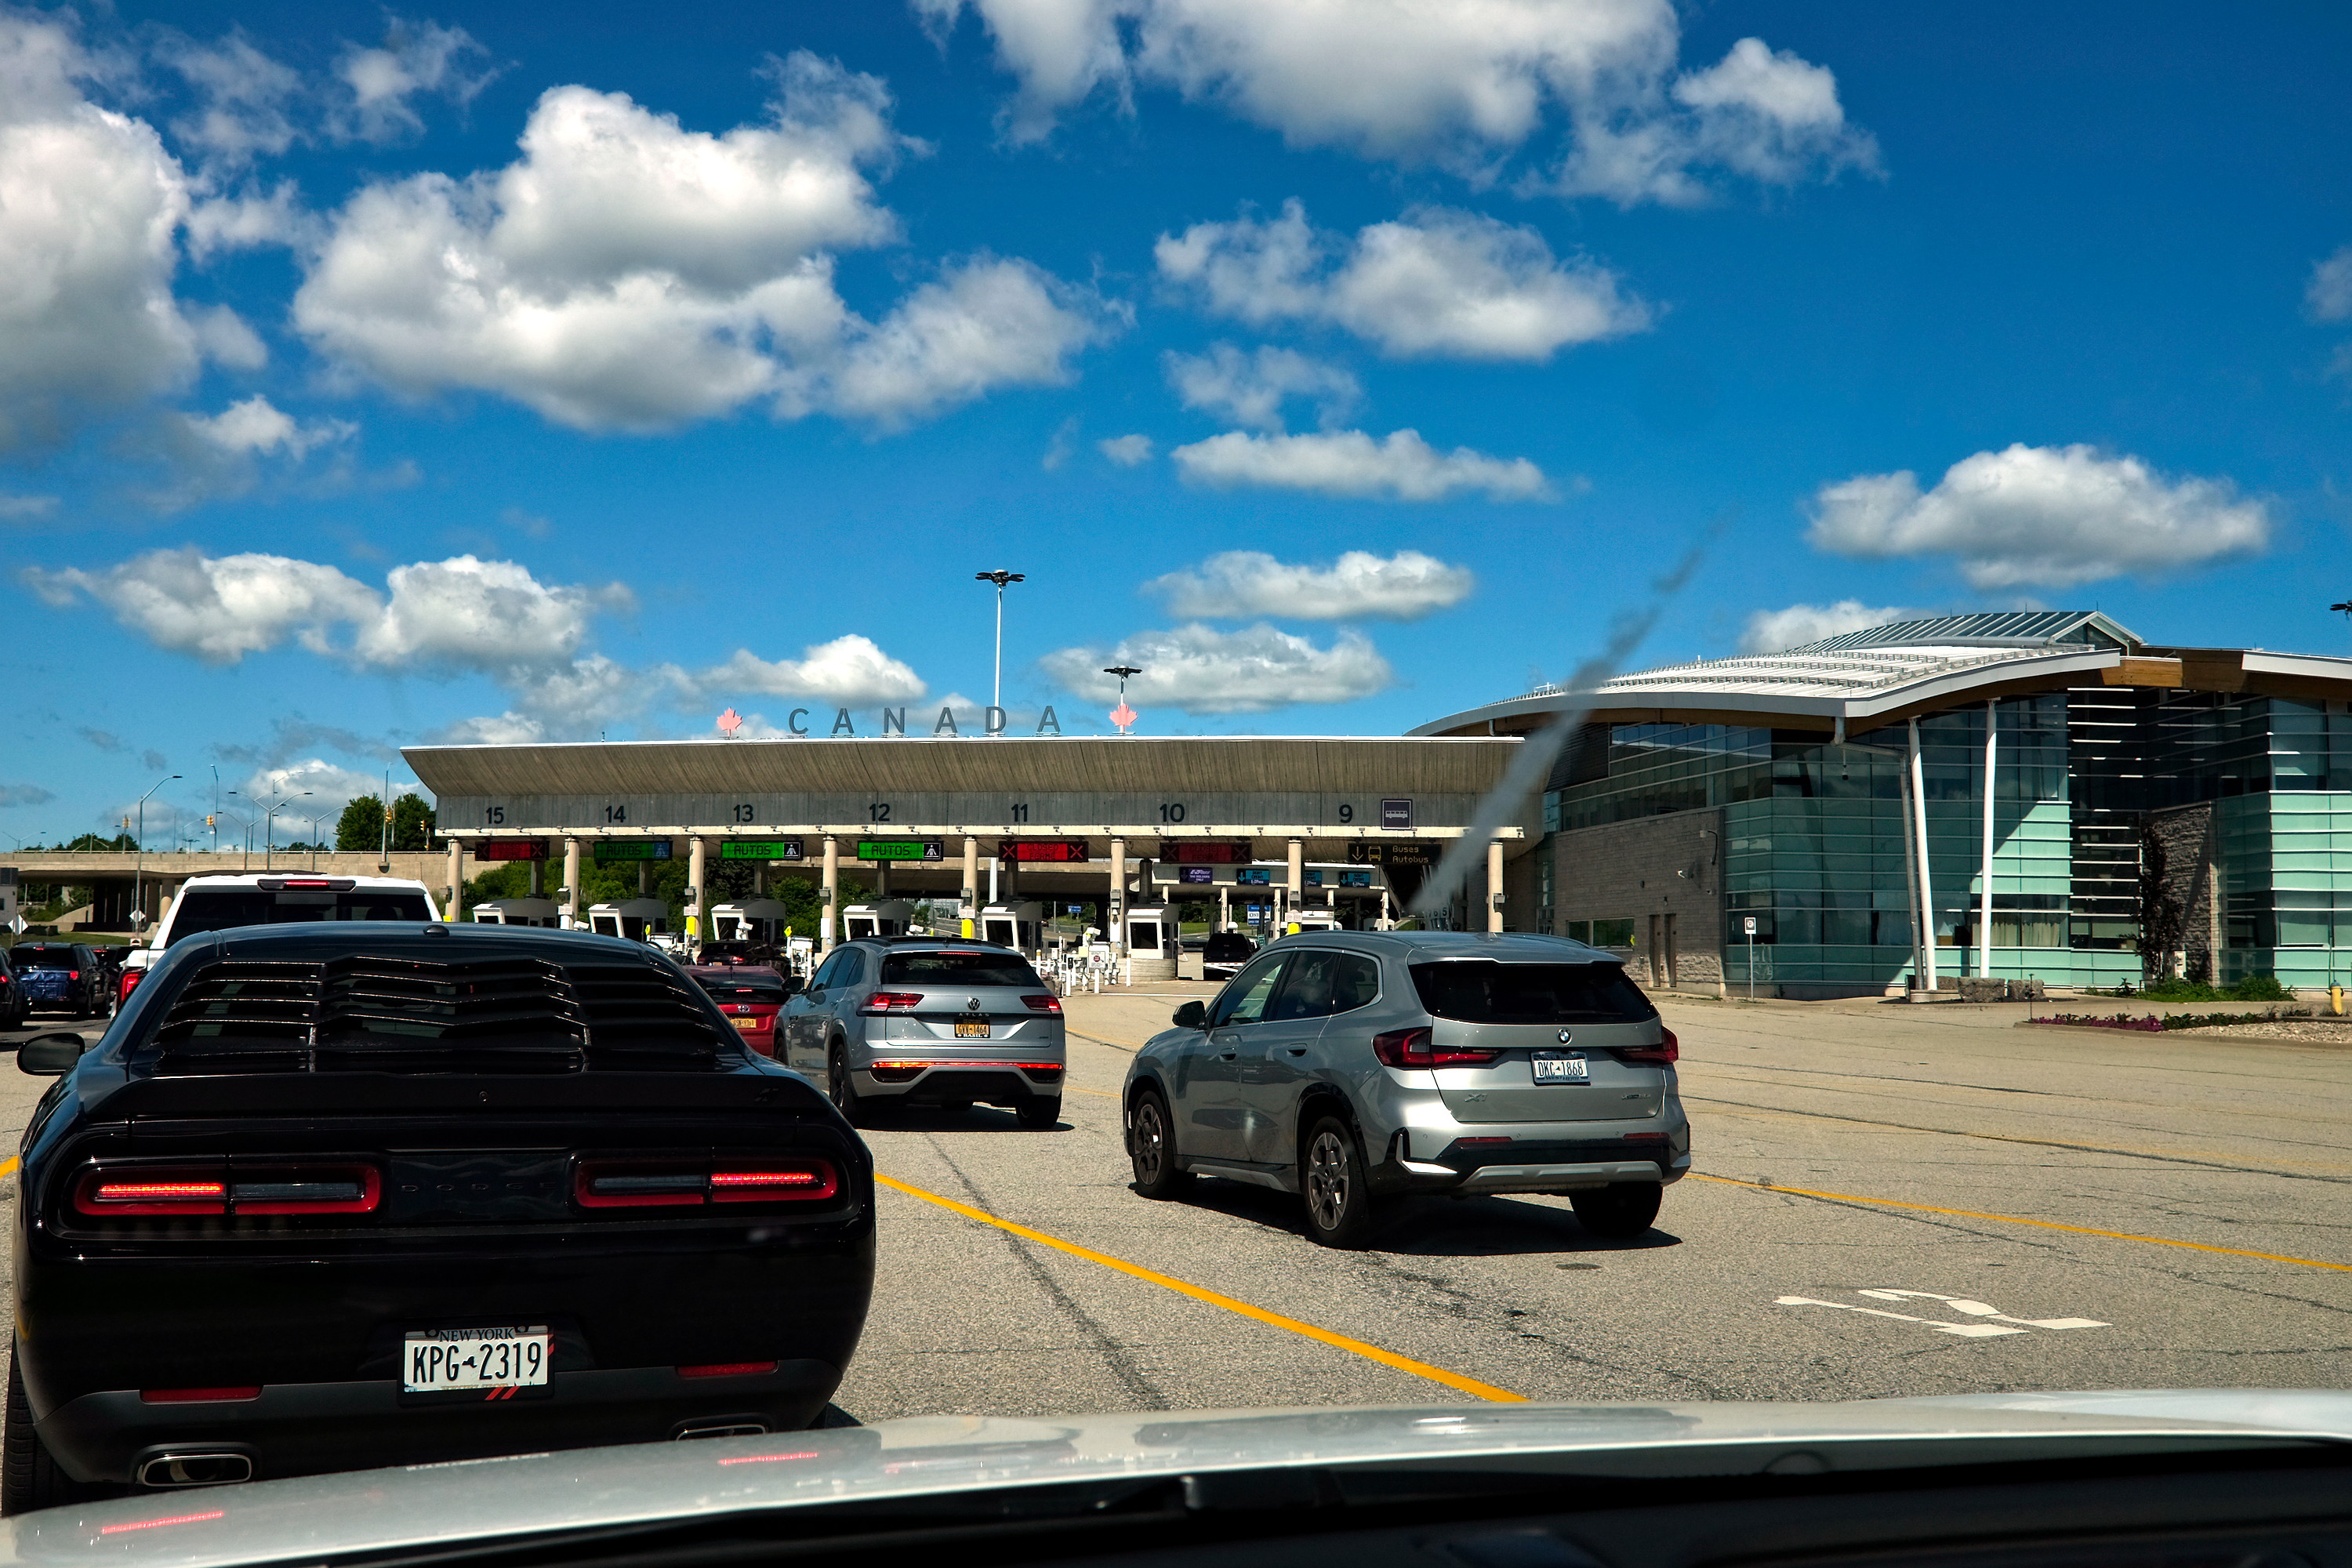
<point x="60" y="977"/>
<point x="1351" y="1066"/>
<point x="933" y="1021"/>
<point x="430" y="1192"/>
<point x="751" y="997"/>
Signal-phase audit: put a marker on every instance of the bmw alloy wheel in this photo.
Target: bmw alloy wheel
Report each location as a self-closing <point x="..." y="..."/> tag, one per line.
<point x="1327" y="1180"/>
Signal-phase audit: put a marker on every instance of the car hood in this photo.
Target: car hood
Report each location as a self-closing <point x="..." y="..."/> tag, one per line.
<point x="442" y="1505"/>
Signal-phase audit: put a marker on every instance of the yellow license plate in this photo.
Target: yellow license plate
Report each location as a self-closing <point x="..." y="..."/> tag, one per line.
<point x="749" y="1025"/>
<point x="971" y="1028"/>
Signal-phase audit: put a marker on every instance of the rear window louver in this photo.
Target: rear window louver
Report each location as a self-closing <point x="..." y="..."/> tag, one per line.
<point x="391" y="1015"/>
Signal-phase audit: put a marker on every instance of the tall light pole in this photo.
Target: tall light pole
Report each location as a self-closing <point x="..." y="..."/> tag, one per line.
<point x="314" y="839"/>
<point x="139" y="876"/>
<point x="1000" y="577"/>
<point x="269" y="829"/>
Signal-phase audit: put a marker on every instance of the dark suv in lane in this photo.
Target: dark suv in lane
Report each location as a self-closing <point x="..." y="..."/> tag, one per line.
<point x="336" y="1195"/>
<point x="60" y="977"/>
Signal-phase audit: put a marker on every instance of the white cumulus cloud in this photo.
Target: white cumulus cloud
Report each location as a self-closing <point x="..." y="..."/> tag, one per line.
<point x="218" y="609"/>
<point x="415" y="59"/>
<point x="2041" y="515"/>
<point x="851" y="671"/>
<point x="1199" y="669"/>
<point x="1127" y="451"/>
<point x="1769" y="631"/>
<point x="1399" y="466"/>
<point x="1251" y="388"/>
<point x="1465" y="84"/>
<point x="626" y="272"/>
<point x="91" y="202"/>
<point x="328" y="786"/>
<point x="1435" y="283"/>
<point x="258" y="425"/>
<point x="1239" y="583"/>
<point x="478" y="614"/>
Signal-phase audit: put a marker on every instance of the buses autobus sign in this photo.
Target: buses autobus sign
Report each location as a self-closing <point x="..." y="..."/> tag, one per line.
<point x="1363" y="852"/>
<point x="760" y="849"/>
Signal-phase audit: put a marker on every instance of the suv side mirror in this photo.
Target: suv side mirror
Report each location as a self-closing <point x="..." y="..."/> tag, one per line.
<point x="1192" y="1015"/>
<point x="49" y="1056"/>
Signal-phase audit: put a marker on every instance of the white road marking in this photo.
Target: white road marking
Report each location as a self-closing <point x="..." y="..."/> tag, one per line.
<point x="1965" y="1331"/>
<point x="1981" y="1310"/>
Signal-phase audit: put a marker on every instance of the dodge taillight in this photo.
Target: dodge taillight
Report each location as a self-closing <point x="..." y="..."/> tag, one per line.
<point x="287" y="1187"/>
<point x="1667" y="1049"/>
<point x="692" y="1183"/>
<point x="891" y="1001"/>
<point x="1411" y="1049"/>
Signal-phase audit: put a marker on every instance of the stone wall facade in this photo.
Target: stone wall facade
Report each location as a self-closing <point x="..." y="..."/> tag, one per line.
<point x="2180" y="894"/>
<point x="1663" y="873"/>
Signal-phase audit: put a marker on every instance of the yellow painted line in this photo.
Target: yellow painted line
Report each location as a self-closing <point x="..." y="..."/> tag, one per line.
<point x="1106" y="1094"/>
<point x="9" y="1166"/>
<point x="2037" y="1224"/>
<point x="1358" y="1347"/>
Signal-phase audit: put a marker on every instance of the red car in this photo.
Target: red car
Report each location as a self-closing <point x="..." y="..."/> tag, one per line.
<point x="750" y="995"/>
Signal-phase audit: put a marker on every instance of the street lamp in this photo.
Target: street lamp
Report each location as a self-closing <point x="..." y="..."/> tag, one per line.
<point x="269" y="830"/>
<point x="1000" y="577"/>
<point x="139" y="876"/>
<point x="1122" y="671"/>
<point x="314" y="839"/>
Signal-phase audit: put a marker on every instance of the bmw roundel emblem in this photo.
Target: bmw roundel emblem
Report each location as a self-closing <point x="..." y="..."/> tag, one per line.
<point x="1563" y="1037"/>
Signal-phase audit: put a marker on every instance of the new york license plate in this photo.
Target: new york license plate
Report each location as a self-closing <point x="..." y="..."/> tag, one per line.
<point x="1561" y="1070"/>
<point x="749" y="1025"/>
<point x="972" y="1029"/>
<point x="438" y="1361"/>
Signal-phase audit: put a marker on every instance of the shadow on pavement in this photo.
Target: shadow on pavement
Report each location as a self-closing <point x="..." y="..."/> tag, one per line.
<point x="1433" y="1228"/>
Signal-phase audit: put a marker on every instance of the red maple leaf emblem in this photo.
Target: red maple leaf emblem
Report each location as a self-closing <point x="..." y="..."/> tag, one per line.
<point x="729" y="722"/>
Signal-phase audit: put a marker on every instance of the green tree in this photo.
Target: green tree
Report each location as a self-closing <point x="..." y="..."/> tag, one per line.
<point x="412" y="823"/>
<point x="361" y="826"/>
<point x="90" y="843"/>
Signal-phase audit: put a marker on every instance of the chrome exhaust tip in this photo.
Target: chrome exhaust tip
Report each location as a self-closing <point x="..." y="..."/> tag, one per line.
<point x="721" y="1429"/>
<point x="166" y="1471"/>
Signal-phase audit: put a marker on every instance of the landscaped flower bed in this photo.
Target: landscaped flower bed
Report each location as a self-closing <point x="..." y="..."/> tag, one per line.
<point x="2155" y="1023"/>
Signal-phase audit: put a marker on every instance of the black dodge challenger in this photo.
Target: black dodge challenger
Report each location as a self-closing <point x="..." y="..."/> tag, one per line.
<point x="346" y="1194"/>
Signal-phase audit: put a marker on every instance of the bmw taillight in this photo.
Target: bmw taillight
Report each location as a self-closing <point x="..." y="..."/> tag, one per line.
<point x="1667" y="1049"/>
<point x="891" y="1001"/>
<point x="1412" y="1049"/>
<point x="691" y="1183"/>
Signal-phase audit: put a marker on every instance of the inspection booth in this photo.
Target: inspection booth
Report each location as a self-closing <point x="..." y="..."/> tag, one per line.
<point x="752" y="920"/>
<point x="1017" y="926"/>
<point x="518" y="912"/>
<point x="884" y="917"/>
<point x="638" y="920"/>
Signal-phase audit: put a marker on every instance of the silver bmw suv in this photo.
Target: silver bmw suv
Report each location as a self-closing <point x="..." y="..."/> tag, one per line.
<point x="1352" y="1066"/>
<point x="930" y="1021"/>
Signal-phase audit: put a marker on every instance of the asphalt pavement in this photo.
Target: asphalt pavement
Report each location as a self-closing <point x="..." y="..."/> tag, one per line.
<point x="1889" y="1200"/>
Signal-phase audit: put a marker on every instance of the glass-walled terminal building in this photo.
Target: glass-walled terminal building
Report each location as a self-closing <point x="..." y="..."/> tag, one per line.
<point x="2017" y="794"/>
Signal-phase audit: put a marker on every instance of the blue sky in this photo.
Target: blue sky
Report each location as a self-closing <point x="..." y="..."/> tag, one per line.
<point x="370" y="377"/>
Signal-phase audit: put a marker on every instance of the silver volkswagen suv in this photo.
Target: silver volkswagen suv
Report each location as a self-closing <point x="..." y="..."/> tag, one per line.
<point x="1351" y="1066"/>
<point x="929" y="1021"/>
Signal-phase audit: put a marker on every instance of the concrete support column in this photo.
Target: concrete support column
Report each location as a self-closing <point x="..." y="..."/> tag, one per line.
<point x="539" y="878"/>
<point x="971" y="910"/>
<point x="697" y="859"/>
<point x="571" y="884"/>
<point x="829" y="917"/>
<point x="882" y="880"/>
<point x="1984" y="896"/>
<point x="1297" y="885"/>
<point x="452" y="907"/>
<point x="1493" y="884"/>
<point x="1224" y="906"/>
<point x="1926" y="883"/>
<point x="1114" y="917"/>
